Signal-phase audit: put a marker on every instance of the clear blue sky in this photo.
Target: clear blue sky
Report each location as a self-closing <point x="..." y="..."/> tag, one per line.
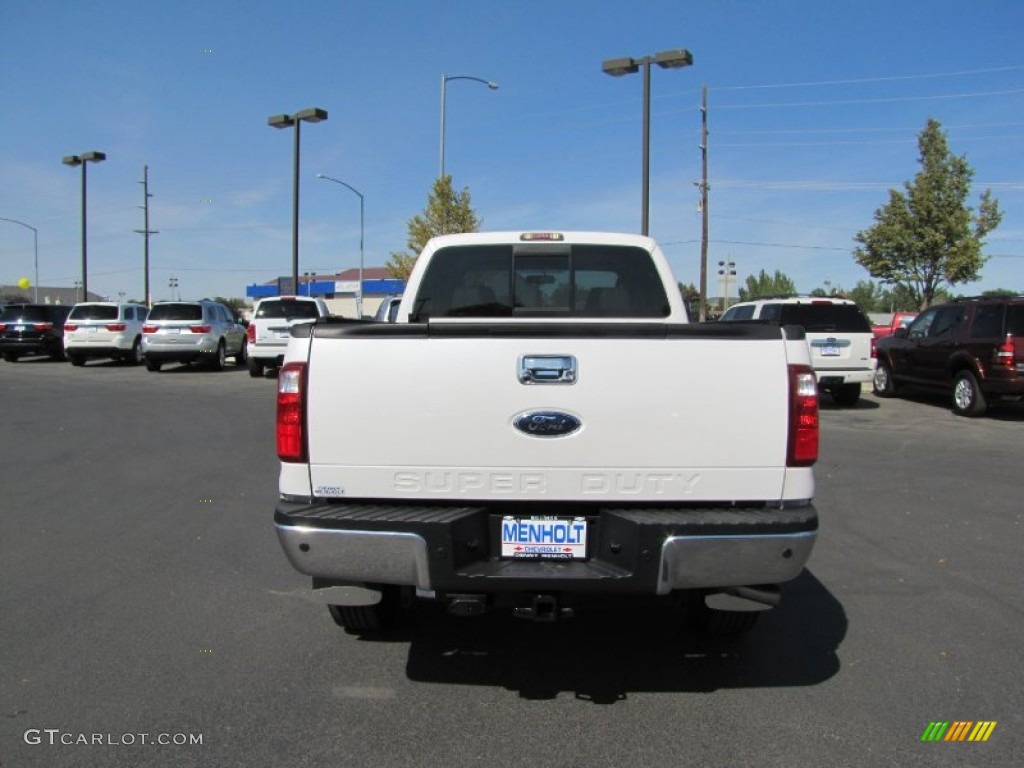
<point x="815" y="107"/>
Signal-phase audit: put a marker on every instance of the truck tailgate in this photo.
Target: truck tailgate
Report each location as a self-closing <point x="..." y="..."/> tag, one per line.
<point x="663" y="415"/>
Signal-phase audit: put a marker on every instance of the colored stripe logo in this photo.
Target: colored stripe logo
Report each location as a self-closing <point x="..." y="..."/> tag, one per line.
<point x="959" y="730"/>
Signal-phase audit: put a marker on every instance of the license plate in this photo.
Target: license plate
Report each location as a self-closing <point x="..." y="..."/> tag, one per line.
<point x="829" y="350"/>
<point x="283" y="334"/>
<point x="91" y="329"/>
<point x="544" y="538"/>
<point x="172" y="330"/>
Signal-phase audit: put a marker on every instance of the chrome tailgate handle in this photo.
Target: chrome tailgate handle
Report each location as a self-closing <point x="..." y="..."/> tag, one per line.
<point x="547" y="369"/>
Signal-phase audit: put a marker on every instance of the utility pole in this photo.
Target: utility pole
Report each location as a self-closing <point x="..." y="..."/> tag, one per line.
<point x="704" y="205"/>
<point x="146" y="232"/>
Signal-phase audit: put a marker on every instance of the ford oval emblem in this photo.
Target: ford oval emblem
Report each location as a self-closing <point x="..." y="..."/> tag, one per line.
<point x="546" y="423"/>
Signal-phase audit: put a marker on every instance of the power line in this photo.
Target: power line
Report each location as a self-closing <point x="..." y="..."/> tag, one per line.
<point x="879" y="79"/>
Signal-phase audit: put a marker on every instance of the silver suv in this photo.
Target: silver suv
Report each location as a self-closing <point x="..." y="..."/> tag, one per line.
<point x="192" y="331"/>
<point x="104" y="329"/>
<point x="839" y="335"/>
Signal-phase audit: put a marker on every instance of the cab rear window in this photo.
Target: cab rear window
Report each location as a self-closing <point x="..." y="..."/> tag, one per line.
<point x="542" y="280"/>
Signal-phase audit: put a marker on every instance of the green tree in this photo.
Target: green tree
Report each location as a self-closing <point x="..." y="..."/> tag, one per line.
<point x="448" y="212"/>
<point x="927" y="236"/>
<point x="235" y="305"/>
<point x="767" y="285"/>
<point x="691" y="298"/>
<point x="869" y="296"/>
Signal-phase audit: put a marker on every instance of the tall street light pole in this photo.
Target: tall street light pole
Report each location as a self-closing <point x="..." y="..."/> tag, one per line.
<point x="83" y="160"/>
<point x="359" y="296"/>
<point x="311" y="115"/>
<point x="35" y="250"/>
<point x="444" y="98"/>
<point x="674" y="59"/>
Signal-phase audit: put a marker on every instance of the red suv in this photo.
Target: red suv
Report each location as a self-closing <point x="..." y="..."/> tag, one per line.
<point x="972" y="348"/>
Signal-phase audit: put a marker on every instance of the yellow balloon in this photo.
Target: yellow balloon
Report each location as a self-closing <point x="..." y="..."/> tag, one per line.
<point x="24" y="283"/>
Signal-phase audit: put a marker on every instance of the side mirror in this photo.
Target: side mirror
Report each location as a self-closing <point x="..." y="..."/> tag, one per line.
<point x="901" y="332"/>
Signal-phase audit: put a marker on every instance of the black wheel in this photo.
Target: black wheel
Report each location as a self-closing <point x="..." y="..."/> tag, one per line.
<point x="255" y="368"/>
<point x="883" y="383"/>
<point x="220" y="357"/>
<point x="357" y="619"/>
<point x="134" y="357"/>
<point x="57" y="353"/>
<point x="153" y="365"/>
<point x="242" y="355"/>
<point x="76" y="360"/>
<point x="968" y="399"/>
<point x="846" y="394"/>
<point x="11" y="357"/>
<point x="716" y="622"/>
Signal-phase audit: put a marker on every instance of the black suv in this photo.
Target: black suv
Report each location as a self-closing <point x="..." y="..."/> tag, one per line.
<point x="32" y="329"/>
<point x="972" y="348"/>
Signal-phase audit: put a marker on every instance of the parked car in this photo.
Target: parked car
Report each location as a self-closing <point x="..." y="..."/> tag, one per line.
<point x="270" y="327"/>
<point x="105" y="329"/>
<point x="32" y="329"/>
<point x="388" y="309"/>
<point x="838" y="334"/>
<point x="899" y="320"/>
<point x="192" y="331"/>
<point x="972" y="349"/>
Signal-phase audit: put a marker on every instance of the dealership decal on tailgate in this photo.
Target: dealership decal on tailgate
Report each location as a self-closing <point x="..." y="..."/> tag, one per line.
<point x="537" y="538"/>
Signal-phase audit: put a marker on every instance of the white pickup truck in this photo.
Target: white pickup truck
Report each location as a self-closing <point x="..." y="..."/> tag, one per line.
<point x="543" y="426"/>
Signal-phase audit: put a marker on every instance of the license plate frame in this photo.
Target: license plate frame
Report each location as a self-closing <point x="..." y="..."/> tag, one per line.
<point x="543" y="538"/>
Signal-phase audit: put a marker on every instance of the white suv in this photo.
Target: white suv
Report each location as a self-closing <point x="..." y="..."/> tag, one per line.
<point x="104" y="329"/>
<point x="271" y="324"/>
<point x="839" y="335"/>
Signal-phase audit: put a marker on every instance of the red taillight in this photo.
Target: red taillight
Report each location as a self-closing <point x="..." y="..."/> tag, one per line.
<point x="250" y="333"/>
<point x="72" y="327"/>
<point x="291" y="412"/>
<point x="199" y="328"/>
<point x="116" y="326"/>
<point x="42" y="326"/>
<point x="874" y="348"/>
<point x="803" y="417"/>
<point x="149" y="329"/>
<point x="1006" y="355"/>
<point x="3" y="326"/>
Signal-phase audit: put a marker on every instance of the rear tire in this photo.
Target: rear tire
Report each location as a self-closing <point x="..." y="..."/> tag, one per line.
<point x="76" y="360"/>
<point x="718" y="623"/>
<point x="846" y="394"/>
<point x="11" y="357"/>
<point x="153" y="366"/>
<point x="219" y="358"/>
<point x="255" y="368"/>
<point x="359" y="619"/>
<point x="134" y="357"/>
<point x="883" y="383"/>
<point x="968" y="399"/>
<point x="242" y="356"/>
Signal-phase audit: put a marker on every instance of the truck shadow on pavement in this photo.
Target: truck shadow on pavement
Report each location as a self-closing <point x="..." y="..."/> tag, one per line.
<point x="603" y="656"/>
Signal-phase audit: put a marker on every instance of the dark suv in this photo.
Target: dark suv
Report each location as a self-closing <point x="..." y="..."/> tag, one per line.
<point x="972" y="348"/>
<point x="32" y="329"/>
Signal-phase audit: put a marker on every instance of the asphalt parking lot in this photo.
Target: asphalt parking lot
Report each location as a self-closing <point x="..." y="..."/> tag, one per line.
<point x="144" y="592"/>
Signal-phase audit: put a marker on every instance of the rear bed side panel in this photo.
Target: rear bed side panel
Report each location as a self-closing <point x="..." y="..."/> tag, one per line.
<point x="662" y="420"/>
